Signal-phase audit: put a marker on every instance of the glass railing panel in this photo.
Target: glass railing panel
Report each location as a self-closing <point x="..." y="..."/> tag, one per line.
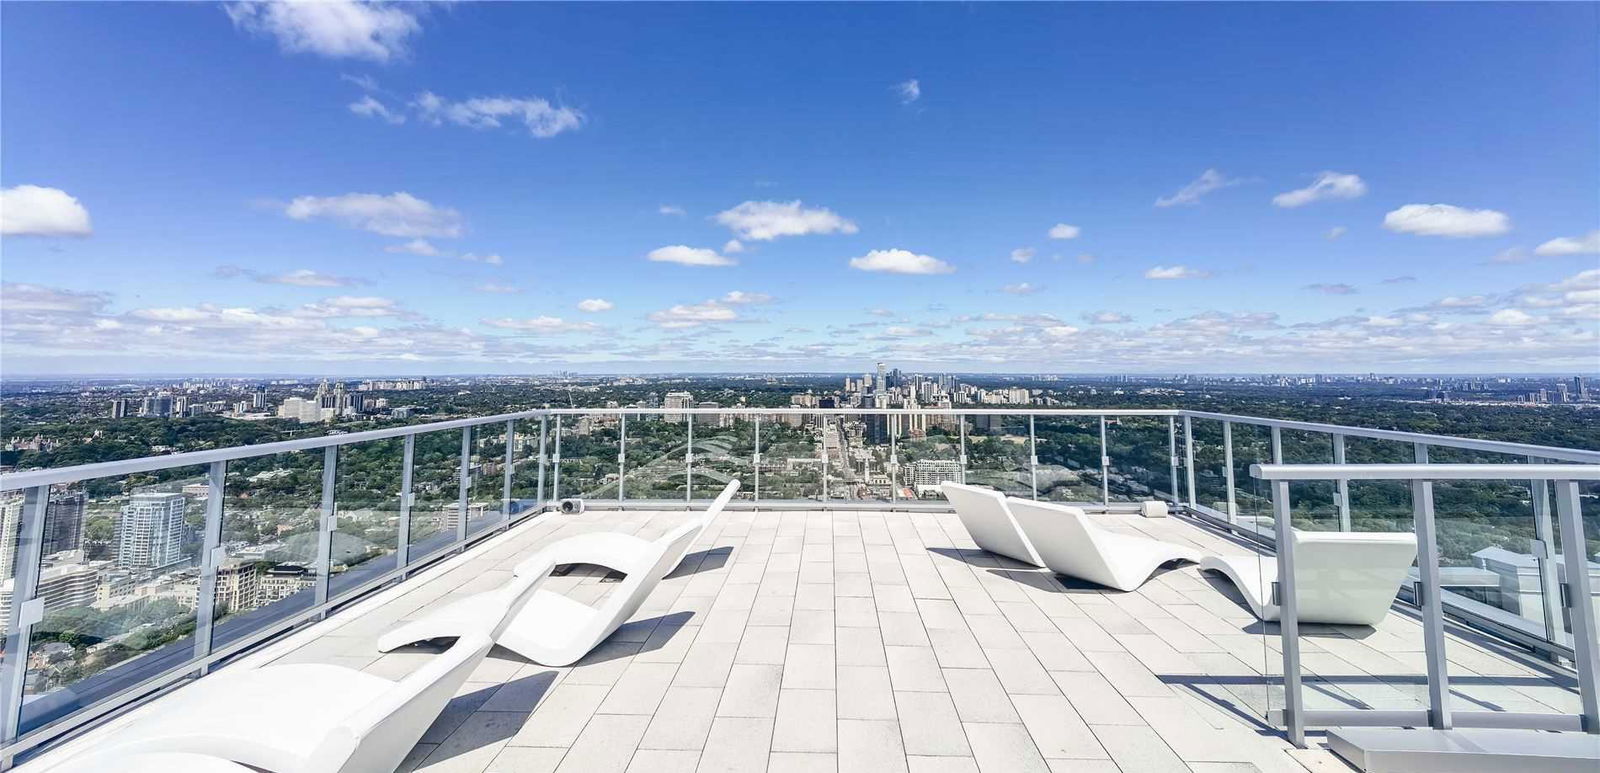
<point x="1069" y="457"/>
<point x="118" y="575"/>
<point x="929" y="459"/>
<point x="724" y="450"/>
<point x="486" y="477"/>
<point x="589" y="456"/>
<point x="271" y="526"/>
<point x="1210" y="468"/>
<point x="435" y="490"/>
<point x="1252" y="444"/>
<point x="526" y="469"/>
<point x="1316" y="503"/>
<point x="859" y="448"/>
<point x="367" y="500"/>
<point x="655" y="462"/>
<point x="998" y="453"/>
<point x="1379" y="505"/>
<point x="1141" y="466"/>
<point x="1589" y="510"/>
<point x="791" y="457"/>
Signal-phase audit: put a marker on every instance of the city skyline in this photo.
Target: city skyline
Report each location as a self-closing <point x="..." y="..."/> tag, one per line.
<point x="521" y="189"/>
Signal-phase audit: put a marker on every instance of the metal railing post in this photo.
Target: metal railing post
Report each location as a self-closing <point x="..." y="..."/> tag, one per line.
<point x="961" y="423"/>
<point x="1580" y="601"/>
<point x="755" y="462"/>
<point x="1429" y="602"/>
<point x="894" y="467"/>
<point x="1188" y="454"/>
<point x="505" y="484"/>
<point x="26" y="610"/>
<point x="688" y="462"/>
<point x="1544" y="544"/>
<point x="1343" y="485"/>
<point x="402" y="547"/>
<point x="463" y="485"/>
<point x="555" y="464"/>
<point x="544" y="431"/>
<point x="1288" y="616"/>
<point x="622" y="457"/>
<point x="1033" y="457"/>
<point x="212" y="555"/>
<point x="1105" y="466"/>
<point x="326" y="525"/>
<point x="823" y="422"/>
<point x="1227" y="471"/>
<point x="1172" y="458"/>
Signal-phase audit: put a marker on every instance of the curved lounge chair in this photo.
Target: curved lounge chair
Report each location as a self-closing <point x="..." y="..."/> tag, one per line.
<point x="312" y="718"/>
<point x="1342" y="578"/>
<point x="984" y="514"/>
<point x="149" y="762"/>
<point x="1072" y="545"/>
<point x="556" y="630"/>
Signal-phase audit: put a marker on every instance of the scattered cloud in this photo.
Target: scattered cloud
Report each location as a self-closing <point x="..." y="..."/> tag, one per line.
<point x="1022" y="288"/>
<point x="32" y="210"/>
<point x="595" y="305"/>
<point x="1064" y="231"/>
<point x="1175" y="272"/>
<point x="1332" y="289"/>
<point x="733" y="247"/>
<point x="1022" y="254"/>
<point x="1446" y="220"/>
<point x="364" y="82"/>
<point x="740" y="297"/>
<point x="1335" y="232"/>
<point x="499" y="288"/>
<point x="414" y="247"/>
<point x="1461" y="302"/>
<point x="1328" y="185"/>
<point x="1106" y="318"/>
<point x="336" y="29"/>
<point x="880" y="312"/>
<point x="1402" y="279"/>
<point x="908" y="91"/>
<point x="1208" y="181"/>
<point x="767" y="220"/>
<point x="540" y="324"/>
<point x="398" y="214"/>
<point x="350" y="306"/>
<point x="303" y="277"/>
<point x="689" y="256"/>
<point x="492" y="259"/>
<point x="897" y="261"/>
<point x="368" y="106"/>
<point x="905" y="331"/>
<point x="1587" y="244"/>
<point x="1511" y="255"/>
<point x="1084" y="258"/>
<point x="541" y="119"/>
<point x="1511" y="318"/>
<point x="669" y="209"/>
<point x="694" y="315"/>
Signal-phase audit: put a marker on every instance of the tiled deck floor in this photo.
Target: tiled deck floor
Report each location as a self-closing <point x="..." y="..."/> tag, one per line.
<point x="874" y="642"/>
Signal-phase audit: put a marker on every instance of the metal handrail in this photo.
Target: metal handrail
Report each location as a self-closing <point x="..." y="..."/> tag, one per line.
<point x="1518" y="472"/>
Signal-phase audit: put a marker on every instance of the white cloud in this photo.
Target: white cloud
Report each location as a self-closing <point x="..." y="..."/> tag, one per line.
<point x="1511" y="318"/>
<point x="669" y="209"/>
<point x="31" y="210"/>
<point x="305" y="277"/>
<point x="908" y="91"/>
<point x="1335" y="232"/>
<point x="540" y="324"/>
<point x="538" y="116"/>
<point x="492" y="259"/>
<point x="1461" y="302"/>
<point x="1208" y="181"/>
<point x="733" y="247"/>
<point x="19" y="297"/>
<point x="365" y="82"/>
<point x="896" y="261"/>
<point x="497" y="287"/>
<point x="1332" y="289"/>
<point x="414" y="247"/>
<point x="1022" y="254"/>
<point x="1064" y="231"/>
<point x="337" y="29"/>
<point x="1446" y="220"/>
<point x="1060" y="331"/>
<point x="1175" y="272"/>
<point x="693" y="315"/>
<point x="1022" y="288"/>
<point x="1106" y="318"/>
<point x="1571" y="245"/>
<point x="398" y="214"/>
<point x="767" y="220"/>
<point x="1328" y="185"/>
<point x="880" y="312"/>
<point x="369" y="107"/>
<point x="905" y="331"/>
<point x="741" y="297"/>
<point x="1084" y="258"/>
<point x="595" y="305"/>
<point x="689" y="256"/>
<point x="1511" y="255"/>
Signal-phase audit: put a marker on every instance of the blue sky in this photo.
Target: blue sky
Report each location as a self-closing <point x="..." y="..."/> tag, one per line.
<point x="437" y="188"/>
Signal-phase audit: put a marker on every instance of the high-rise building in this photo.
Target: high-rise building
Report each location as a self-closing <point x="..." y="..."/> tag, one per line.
<point x="63" y="526"/>
<point x="880" y="384"/>
<point x="119" y="408"/>
<point x="150" y="531"/>
<point x="258" y="399"/>
<point x="158" y="405"/>
<point x="677" y="400"/>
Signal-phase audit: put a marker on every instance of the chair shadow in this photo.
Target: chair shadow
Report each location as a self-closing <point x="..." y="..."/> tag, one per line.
<point x="532" y="688"/>
<point x="708" y="560"/>
<point x="983" y="559"/>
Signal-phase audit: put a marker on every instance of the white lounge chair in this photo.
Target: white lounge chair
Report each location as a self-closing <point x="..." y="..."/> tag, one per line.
<point x="148" y="762"/>
<point x="556" y="630"/>
<point x="1341" y="577"/>
<point x="313" y="718"/>
<point x="1073" y="545"/>
<point x="984" y="514"/>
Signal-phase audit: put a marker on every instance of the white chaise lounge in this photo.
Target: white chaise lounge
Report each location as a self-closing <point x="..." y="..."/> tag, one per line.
<point x="1073" y="545"/>
<point x="984" y="514"/>
<point x="306" y="717"/>
<point x="553" y="629"/>
<point x="149" y="762"/>
<point x="1341" y="577"/>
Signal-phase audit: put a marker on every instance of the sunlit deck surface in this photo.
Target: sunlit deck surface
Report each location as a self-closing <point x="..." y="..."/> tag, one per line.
<point x="883" y="641"/>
